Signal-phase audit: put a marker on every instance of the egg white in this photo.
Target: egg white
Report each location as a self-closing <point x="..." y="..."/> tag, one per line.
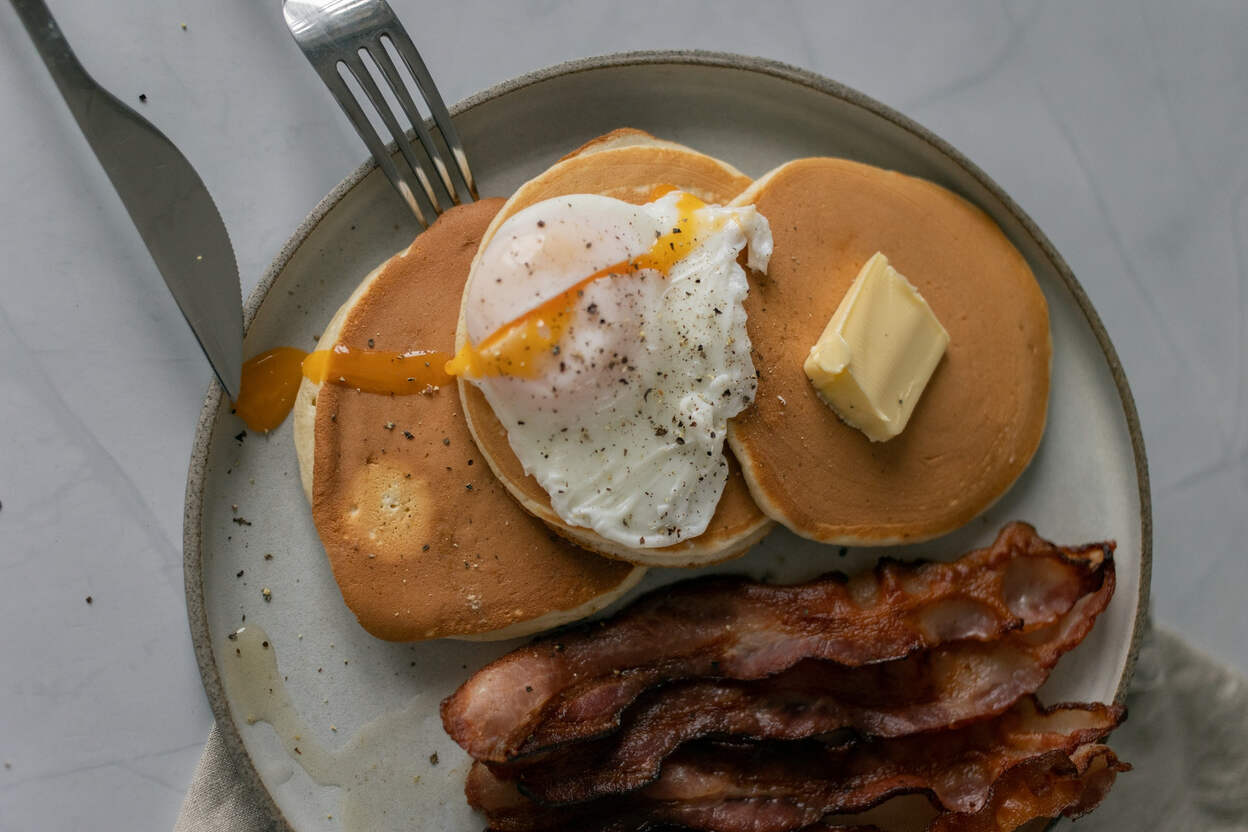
<point x="625" y="425"/>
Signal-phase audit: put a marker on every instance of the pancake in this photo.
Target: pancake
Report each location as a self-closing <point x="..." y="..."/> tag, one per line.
<point x="423" y="540"/>
<point x="981" y="417"/>
<point x="628" y="165"/>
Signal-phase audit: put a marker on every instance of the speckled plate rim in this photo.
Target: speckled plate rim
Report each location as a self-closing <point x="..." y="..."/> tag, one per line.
<point x="192" y="536"/>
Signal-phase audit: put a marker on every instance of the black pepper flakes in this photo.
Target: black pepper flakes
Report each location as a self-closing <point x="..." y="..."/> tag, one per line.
<point x="446" y="440"/>
<point x="433" y="758"/>
<point x="407" y="434"/>
<point x="90" y="600"/>
<point x="371" y="343"/>
<point x="242" y="521"/>
<point x="143" y="97"/>
<point x="238" y="574"/>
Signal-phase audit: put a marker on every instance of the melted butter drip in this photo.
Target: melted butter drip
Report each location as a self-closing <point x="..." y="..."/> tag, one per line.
<point x="379" y="769"/>
<point x="521" y="347"/>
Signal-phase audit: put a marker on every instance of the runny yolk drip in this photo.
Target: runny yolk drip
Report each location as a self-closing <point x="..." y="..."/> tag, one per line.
<point x="270" y="380"/>
<point x="661" y="191"/>
<point x="520" y="347"/>
<point x="269" y="384"/>
<point x="377" y="371"/>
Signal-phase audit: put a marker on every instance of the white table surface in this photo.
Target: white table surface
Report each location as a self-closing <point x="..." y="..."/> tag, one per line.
<point x="1121" y="127"/>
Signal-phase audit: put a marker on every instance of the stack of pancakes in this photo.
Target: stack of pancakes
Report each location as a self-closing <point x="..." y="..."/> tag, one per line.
<point x="433" y="528"/>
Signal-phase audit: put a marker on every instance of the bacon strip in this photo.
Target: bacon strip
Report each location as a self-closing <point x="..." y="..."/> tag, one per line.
<point x="775" y="787"/>
<point x="574" y="685"/>
<point x="938" y="689"/>
<point x="1046" y="787"/>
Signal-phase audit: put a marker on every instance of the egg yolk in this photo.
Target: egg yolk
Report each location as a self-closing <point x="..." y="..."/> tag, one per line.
<point x="271" y="379"/>
<point x="519" y="348"/>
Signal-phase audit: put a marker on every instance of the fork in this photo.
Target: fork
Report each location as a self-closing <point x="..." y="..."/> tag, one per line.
<point x="336" y="36"/>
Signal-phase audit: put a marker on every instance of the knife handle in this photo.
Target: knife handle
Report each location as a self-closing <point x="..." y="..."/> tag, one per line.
<point x="76" y="85"/>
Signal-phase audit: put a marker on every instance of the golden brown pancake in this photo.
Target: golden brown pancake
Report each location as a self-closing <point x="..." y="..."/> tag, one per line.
<point x="423" y="539"/>
<point x="625" y="164"/>
<point x="980" y="419"/>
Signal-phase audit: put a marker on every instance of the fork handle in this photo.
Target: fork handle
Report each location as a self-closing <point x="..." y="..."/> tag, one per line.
<point x="77" y="87"/>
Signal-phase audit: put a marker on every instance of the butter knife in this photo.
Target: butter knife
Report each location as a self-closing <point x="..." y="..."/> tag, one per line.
<point x="166" y="199"/>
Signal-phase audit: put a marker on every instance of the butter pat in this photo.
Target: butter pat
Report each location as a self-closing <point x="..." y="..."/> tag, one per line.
<point x="878" y="352"/>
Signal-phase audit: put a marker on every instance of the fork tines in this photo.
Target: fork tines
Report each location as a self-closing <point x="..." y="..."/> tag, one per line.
<point x="341" y="40"/>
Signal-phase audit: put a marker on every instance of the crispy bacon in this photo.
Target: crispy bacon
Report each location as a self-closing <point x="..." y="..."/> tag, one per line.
<point x="937" y="689"/>
<point x="774" y="787"/>
<point x="1047" y="786"/>
<point x="574" y="685"/>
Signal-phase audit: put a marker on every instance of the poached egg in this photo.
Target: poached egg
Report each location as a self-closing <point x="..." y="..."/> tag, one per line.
<point x="609" y="339"/>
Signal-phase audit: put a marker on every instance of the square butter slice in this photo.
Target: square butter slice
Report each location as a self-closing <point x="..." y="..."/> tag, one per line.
<point x="878" y="352"/>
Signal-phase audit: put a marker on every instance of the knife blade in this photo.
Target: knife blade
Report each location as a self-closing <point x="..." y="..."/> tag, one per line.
<point x="165" y="197"/>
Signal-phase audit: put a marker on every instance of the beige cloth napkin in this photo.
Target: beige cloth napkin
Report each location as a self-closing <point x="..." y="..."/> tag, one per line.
<point x="1186" y="735"/>
<point x="219" y="800"/>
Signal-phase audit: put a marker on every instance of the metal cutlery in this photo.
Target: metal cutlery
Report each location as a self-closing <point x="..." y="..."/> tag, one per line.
<point x="341" y="39"/>
<point x="165" y="197"/>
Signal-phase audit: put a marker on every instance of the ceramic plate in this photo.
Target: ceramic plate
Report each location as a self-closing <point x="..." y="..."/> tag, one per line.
<point x="362" y="714"/>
